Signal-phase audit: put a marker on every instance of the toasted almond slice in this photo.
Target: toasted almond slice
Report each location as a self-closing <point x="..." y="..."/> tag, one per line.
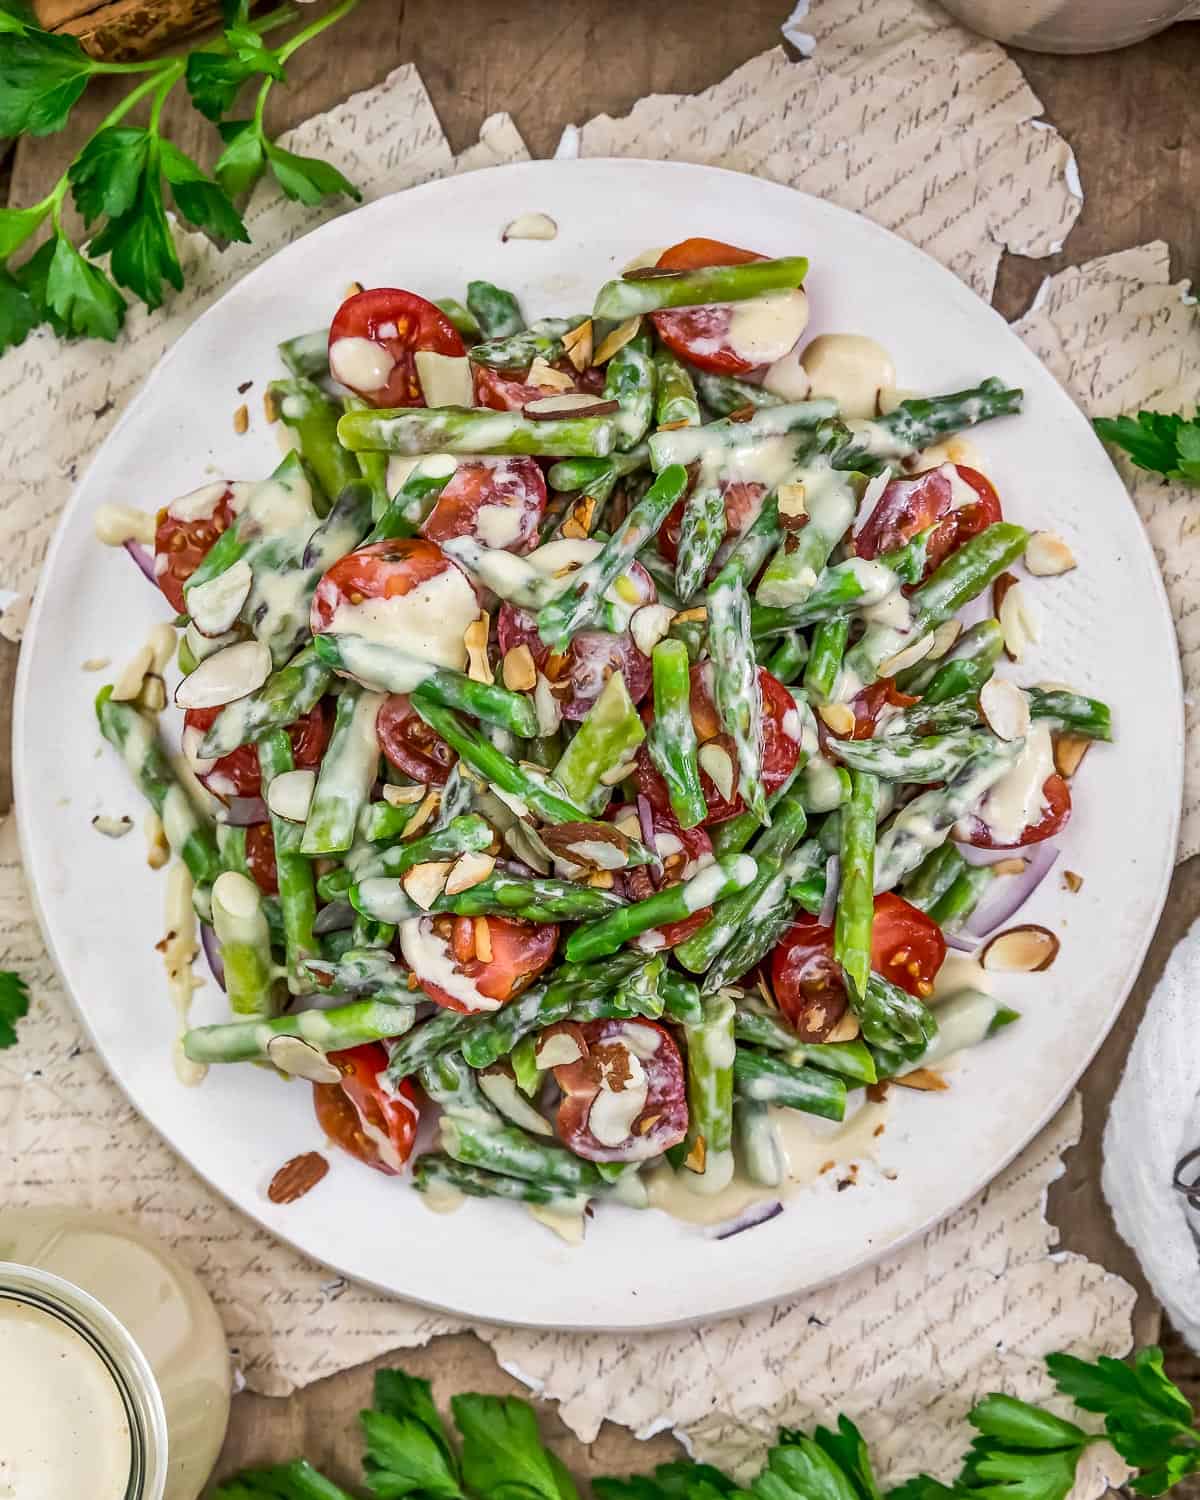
<point x="297" y="1177"/>
<point x="425" y="883"/>
<point x="1072" y="881"/>
<point x="1020" y="950"/>
<point x="469" y="870"/>
<point x="650" y="272"/>
<point x="215" y="606"/>
<point x="560" y="1045"/>
<point x="1069" y="750"/>
<point x="270" y="406"/>
<point x="846" y="1030"/>
<point x="617" y="774"/>
<point x="837" y="716"/>
<point x="519" y="669"/>
<point x="650" y="625"/>
<point x="569" y="404"/>
<point x="241" y="419"/>
<point x="353" y="289"/>
<point x="697" y="1156"/>
<point x="577" y="344"/>
<point x="944" y="637"/>
<point x="1005" y="708"/>
<point x="793" y="504"/>
<point x="432" y="801"/>
<point x="629" y="825"/>
<point x="475" y="639"/>
<point x="546" y="706"/>
<point x="445" y="379"/>
<point x="1012" y="866"/>
<point x="593" y="846"/>
<point x="226" y="675"/>
<point x="1047" y="555"/>
<point x="687" y="616"/>
<point x="152" y="695"/>
<point x="483" y="941"/>
<point x="926" y="1080"/>
<point x="291" y="1054"/>
<point x="404" y="796"/>
<point x="616" y="340"/>
<point x="158" y="850"/>
<point x="546" y="376"/>
<point x="555" y="665"/>
<point x="530" y="227"/>
<point x="600" y="880"/>
<point x="290" y="795"/>
<point x="131" y="676"/>
<point x="715" y="760"/>
<point x="1018" y="623"/>
<point x="908" y="656"/>
<point x="110" y="827"/>
<point x="500" y="1087"/>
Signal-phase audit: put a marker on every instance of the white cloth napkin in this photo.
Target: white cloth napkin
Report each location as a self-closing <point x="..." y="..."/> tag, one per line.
<point x="1154" y="1121"/>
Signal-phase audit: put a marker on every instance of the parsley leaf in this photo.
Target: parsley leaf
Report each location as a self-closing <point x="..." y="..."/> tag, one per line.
<point x="17" y="224"/>
<point x="799" y="1466"/>
<point x="241" y="163"/>
<point x="15" y="15"/>
<point x="41" y="77"/>
<point x="306" y="178"/>
<point x="80" y="295"/>
<point x="139" y="243"/>
<point x="1162" y="442"/>
<point x="14" y="1002"/>
<point x="295" y="1481"/>
<point x="847" y="1449"/>
<point x="924" y="1487"/>
<point x="252" y="52"/>
<point x="213" y="81"/>
<point x="996" y="1473"/>
<point x="1020" y="1425"/>
<point x="677" y="1481"/>
<point x="198" y="198"/>
<point x="407" y="1447"/>
<point x="107" y="173"/>
<point x="18" y="311"/>
<point x="503" y="1457"/>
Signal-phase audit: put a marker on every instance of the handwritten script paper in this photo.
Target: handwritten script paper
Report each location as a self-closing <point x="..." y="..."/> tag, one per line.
<point x="903" y="116"/>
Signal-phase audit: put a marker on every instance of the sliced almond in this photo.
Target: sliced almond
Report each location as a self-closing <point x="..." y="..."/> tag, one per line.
<point x="1047" y="555"/>
<point x="560" y="1045"/>
<point x="297" y="1177"/>
<point x="600" y="880"/>
<point x="290" y="795"/>
<point x="546" y="706"/>
<point x="225" y="676"/>
<point x="650" y="272"/>
<point x="944" y="637"/>
<point x="499" y="1087"/>
<point x="152" y="695"/>
<point x="546" y="376"/>
<point x="846" y="1030"/>
<point x="445" y="379"/>
<point x="617" y="774"/>
<point x="837" y="716"/>
<point x="555" y="665"/>
<point x="909" y="656"/>
<point x="519" y="669"/>
<point x="577" y="344"/>
<point x="569" y="404"/>
<point x="1072" y="881"/>
<point x="158" y="850"/>
<point x="1020" y="950"/>
<point x="353" y="289"/>
<point x="475" y="639"/>
<point x="241" y="419"/>
<point x="650" y="625"/>
<point x="530" y="227"/>
<point x="469" y="870"/>
<point x="110" y="827"/>
<point x="616" y="340"/>
<point x="483" y="941"/>
<point x="926" y="1080"/>
<point x="629" y="824"/>
<point x="131" y="676"/>
<point x="215" y="606"/>
<point x="696" y="615"/>
<point x="270" y="406"/>
<point x="425" y="883"/>
<point x="1012" y="866"/>
<point x="403" y="796"/>
<point x="1005" y="708"/>
<point x="291" y="1054"/>
<point x="695" y="1159"/>
<point x="1018" y="623"/>
<point x="589" y="846"/>
<point x="715" y="760"/>
<point x="432" y="801"/>
<point x="793" y="506"/>
<point x="1069" y="750"/>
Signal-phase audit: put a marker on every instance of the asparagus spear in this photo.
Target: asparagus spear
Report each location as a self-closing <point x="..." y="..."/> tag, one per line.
<point x="710" y="1062"/>
<point x="517" y="351"/>
<point x="362" y="972"/>
<point x="495" y="310"/>
<point x="701" y="532"/>
<point x="466" y="834"/>
<point x="241" y="928"/>
<point x="313" y="417"/>
<point x="982" y="644"/>
<point x="893" y="1019"/>
<point x="897" y="757"/>
<point x="725" y="393"/>
<point x="467" y="429"/>
<point x="672" y="739"/>
<point x="571" y="474"/>
<point x="789" y="657"/>
<point x="327" y="1030"/>
<point x="933" y="877"/>
<point x="771" y="1080"/>
<point x="955" y="905"/>
<point x="538" y="899"/>
<point x="433" y="1170"/>
<point x="464" y="320"/>
<point x="287" y="695"/>
<point x="856" y="894"/>
<point x="761" y="1028"/>
<point x="737" y="689"/>
<point x="825" y="657"/>
<point x="609" y="733"/>
<point x="629" y="380"/>
<point x="769" y="916"/>
<point x="854" y="584"/>
<point x="918" y="422"/>
<point x="297" y="898"/>
<point x="512" y="1153"/>
<point x="675" y="402"/>
<point x="307" y="355"/>
<point x="408" y="510"/>
<point x="690" y="445"/>
<point x="1071" y="712"/>
<point x="628" y="298"/>
<point x="758" y="1142"/>
<point x="348" y="771"/>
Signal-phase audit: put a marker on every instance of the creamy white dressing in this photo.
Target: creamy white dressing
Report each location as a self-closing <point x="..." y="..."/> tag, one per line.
<point x="763" y="329"/>
<point x="429" y="958"/>
<point x="64" y="1431"/>
<point x="959" y="971"/>
<point x="822" y="785"/>
<point x="894" y="611"/>
<point x="179" y="951"/>
<point x="433" y="465"/>
<point x="788" y="379"/>
<point x="612" y="1112"/>
<point x="850" y="369"/>
<point x="961" y="493"/>
<point x="115" y="525"/>
<point x="500" y="524"/>
<point x="201" y="504"/>
<point x="704" y="888"/>
<point x="1016" y="801"/>
<point x="428" y="623"/>
<point x="361" y="364"/>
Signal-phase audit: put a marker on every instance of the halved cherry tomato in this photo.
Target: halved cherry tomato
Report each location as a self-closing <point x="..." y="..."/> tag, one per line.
<point x="1057" y="796"/>
<point x="520" y="951"/>
<point x="868" y="706"/>
<point x="181" y="545"/>
<point x="511" y="392"/>
<point x="679" y="849"/>
<point x="260" y="858"/>
<point x="913" y="504"/>
<point x="742" y="505"/>
<point x="376" y="1124"/>
<point x="400" y="323"/>
<point x="700" y="334"/>
<point x="780" y="750"/>
<point x="410" y="744"/>
<point x="622" y="1056"/>
<point x="381" y="570"/>
<point x="237" y="774"/>
<point x="498" y="501"/>
<point x="907" y="948"/>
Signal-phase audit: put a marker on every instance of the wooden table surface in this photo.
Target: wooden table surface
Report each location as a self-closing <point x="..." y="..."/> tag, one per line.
<point x="1126" y="114"/>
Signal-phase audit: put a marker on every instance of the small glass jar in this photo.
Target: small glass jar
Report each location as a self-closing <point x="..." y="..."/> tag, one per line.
<point x="72" y="1326"/>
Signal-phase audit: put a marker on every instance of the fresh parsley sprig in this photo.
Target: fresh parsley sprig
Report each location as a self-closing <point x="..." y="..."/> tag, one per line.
<point x="1022" y="1452"/>
<point x="1162" y="442"/>
<point x="125" y="176"/>
<point x="14" y="1006"/>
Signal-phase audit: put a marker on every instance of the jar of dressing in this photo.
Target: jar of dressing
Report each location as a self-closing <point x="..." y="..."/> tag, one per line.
<point x="137" y="1365"/>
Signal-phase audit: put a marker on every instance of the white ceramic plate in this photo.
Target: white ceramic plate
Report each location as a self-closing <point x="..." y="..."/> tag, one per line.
<point x="1106" y="630"/>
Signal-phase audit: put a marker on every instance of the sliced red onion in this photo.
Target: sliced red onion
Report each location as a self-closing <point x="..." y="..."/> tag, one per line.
<point x="212" y="952"/>
<point x="241" y="812"/>
<point x="974" y="856"/>
<point x="758" y="1213"/>
<point x="833" y="879"/>
<point x="1008" y="894"/>
<point x="335" y="917"/>
<point x="956" y="940"/>
<point x="144" y="560"/>
<point x="646" y="821"/>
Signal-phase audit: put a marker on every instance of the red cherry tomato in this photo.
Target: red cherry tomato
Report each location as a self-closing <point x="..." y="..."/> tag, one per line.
<point x="182" y="543"/>
<point x="498" y="501"/>
<point x="381" y="570"/>
<point x="868" y="706"/>
<point x="410" y="744"/>
<point x="520" y="951"/>
<point x="400" y="323"/>
<point x="780" y="750"/>
<point x="907" y="948"/>
<point x="260" y="858"/>
<point x="511" y="392"/>
<point x="701" y="334"/>
<point x="914" y="504"/>
<point x="1057" y="796"/>
<point x="237" y="774"/>
<point x="377" y="1124"/>
<point x="622" y="1056"/>
<point x="679" y="849"/>
<point x="742" y="505"/>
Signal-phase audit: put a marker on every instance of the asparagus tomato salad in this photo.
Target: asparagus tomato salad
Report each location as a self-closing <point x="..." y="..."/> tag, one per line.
<point x="582" y="744"/>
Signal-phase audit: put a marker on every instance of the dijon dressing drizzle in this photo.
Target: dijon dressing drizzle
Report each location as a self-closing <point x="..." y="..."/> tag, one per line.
<point x="179" y="951"/>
